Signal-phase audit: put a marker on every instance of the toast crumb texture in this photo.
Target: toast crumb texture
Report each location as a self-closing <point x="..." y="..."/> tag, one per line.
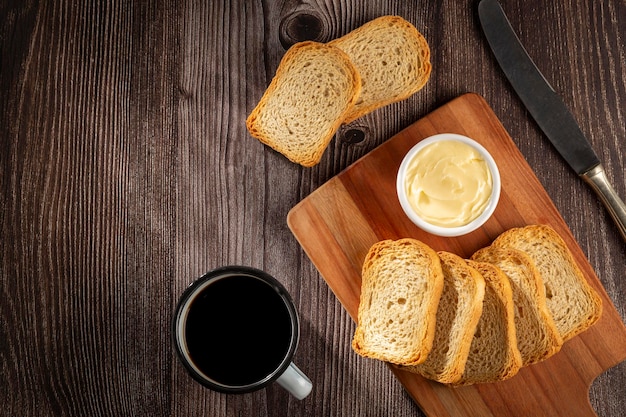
<point x="572" y="302"/>
<point x="537" y="335"/>
<point x="461" y="322"/>
<point x="314" y="88"/>
<point x="317" y="87"/>
<point x="493" y="354"/>
<point x="458" y="313"/>
<point x="402" y="283"/>
<point x="393" y="59"/>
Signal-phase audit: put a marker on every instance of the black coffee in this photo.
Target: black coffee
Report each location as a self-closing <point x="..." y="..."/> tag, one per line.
<point x="238" y="330"/>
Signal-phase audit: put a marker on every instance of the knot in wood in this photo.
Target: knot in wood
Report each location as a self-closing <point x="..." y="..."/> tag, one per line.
<point x="301" y="26"/>
<point x="352" y="136"/>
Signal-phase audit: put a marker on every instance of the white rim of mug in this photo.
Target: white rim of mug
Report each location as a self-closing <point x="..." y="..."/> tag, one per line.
<point x="180" y="316"/>
<point x="441" y="230"/>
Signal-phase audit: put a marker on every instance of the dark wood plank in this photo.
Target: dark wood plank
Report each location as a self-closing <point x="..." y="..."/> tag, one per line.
<point x="88" y="159"/>
<point x="126" y="171"/>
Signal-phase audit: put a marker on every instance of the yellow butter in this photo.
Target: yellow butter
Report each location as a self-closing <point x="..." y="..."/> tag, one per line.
<point x="448" y="183"/>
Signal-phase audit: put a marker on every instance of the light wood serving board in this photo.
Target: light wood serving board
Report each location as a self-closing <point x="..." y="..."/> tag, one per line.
<point x="337" y="223"/>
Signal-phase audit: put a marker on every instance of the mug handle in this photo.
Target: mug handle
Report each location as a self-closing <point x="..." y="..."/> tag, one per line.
<point x="295" y="381"/>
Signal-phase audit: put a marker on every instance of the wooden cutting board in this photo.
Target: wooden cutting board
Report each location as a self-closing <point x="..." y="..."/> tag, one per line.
<point x="338" y="222"/>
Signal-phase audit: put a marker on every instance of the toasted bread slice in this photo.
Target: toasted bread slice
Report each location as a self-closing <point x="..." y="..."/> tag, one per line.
<point x="459" y="310"/>
<point x="309" y="97"/>
<point x="537" y="335"/>
<point x="493" y="354"/>
<point x="572" y="302"/>
<point x="393" y="59"/>
<point x="401" y="286"/>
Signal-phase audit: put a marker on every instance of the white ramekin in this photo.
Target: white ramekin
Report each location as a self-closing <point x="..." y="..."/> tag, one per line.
<point x="441" y="230"/>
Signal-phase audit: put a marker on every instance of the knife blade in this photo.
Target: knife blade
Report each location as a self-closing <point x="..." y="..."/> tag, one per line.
<point x="547" y="108"/>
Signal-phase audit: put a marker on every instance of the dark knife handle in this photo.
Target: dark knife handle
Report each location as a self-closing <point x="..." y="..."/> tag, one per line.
<point x="597" y="179"/>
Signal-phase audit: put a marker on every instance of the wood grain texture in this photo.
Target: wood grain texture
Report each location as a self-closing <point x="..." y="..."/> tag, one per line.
<point x="126" y="171"/>
<point x="339" y="222"/>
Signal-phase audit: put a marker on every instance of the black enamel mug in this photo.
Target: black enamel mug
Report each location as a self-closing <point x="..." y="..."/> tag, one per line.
<point x="236" y="330"/>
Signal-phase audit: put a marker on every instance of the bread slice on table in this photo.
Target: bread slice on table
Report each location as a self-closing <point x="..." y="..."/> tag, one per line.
<point x="402" y="281"/>
<point x="493" y="354"/>
<point x="393" y="59"/>
<point x="459" y="310"/>
<point x="314" y="88"/>
<point x="537" y="335"/>
<point x="572" y="302"/>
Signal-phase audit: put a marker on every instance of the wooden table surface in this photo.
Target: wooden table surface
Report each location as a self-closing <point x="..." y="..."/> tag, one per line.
<point x="127" y="172"/>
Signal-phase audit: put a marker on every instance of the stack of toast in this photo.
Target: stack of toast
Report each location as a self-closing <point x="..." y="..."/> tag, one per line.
<point x="464" y="321"/>
<point x="319" y="86"/>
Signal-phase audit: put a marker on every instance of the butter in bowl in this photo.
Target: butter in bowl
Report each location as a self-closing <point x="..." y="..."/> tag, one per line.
<point x="448" y="185"/>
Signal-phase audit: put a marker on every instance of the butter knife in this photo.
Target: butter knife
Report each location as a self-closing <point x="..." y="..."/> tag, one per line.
<point x="547" y="108"/>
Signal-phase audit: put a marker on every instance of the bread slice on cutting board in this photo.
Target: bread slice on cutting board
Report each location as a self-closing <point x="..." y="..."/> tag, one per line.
<point x="534" y="298"/>
<point x="458" y="313"/>
<point x="537" y="335"/>
<point x="314" y="88"/>
<point x="493" y="354"/>
<point x="402" y="282"/>
<point x="572" y="302"/>
<point x="393" y="59"/>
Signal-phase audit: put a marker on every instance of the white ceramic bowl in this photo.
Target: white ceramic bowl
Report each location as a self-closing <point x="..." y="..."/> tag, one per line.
<point x="442" y="230"/>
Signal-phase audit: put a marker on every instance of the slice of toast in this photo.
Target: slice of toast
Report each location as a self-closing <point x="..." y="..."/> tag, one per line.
<point x="314" y="88"/>
<point x="493" y="354"/>
<point x="393" y="59"/>
<point x="402" y="281"/>
<point x="572" y="302"/>
<point x="537" y="335"/>
<point x="459" y="310"/>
